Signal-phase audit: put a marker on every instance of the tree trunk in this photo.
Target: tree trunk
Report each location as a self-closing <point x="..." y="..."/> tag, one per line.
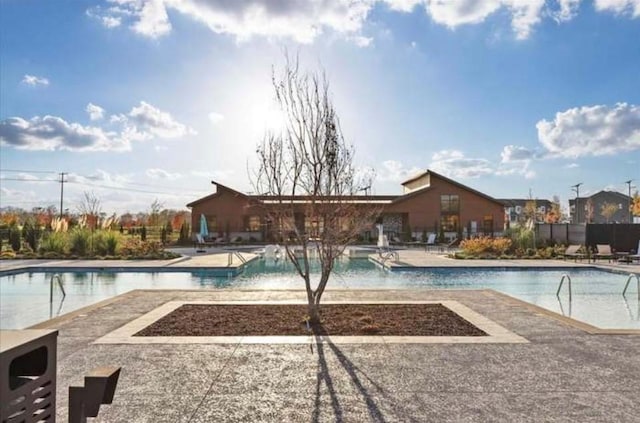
<point x="313" y="308"/>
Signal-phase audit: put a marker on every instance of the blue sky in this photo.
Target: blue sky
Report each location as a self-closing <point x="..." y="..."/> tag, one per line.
<point x="142" y="99"/>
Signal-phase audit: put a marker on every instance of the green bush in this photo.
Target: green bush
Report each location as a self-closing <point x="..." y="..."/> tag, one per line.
<point x="79" y="241"/>
<point x="521" y="238"/>
<point x="105" y="243"/>
<point x="15" y="238"/>
<point x="31" y="234"/>
<point x="54" y="242"/>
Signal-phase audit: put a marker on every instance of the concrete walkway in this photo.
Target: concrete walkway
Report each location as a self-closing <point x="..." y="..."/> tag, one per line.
<point x="561" y="374"/>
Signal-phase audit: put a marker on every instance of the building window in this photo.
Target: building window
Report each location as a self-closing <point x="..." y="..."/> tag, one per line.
<point x="212" y="223"/>
<point x="252" y="223"/>
<point x="487" y="224"/>
<point x="449" y="223"/>
<point x="449" y="204"/>
<point x="449" y="212"/>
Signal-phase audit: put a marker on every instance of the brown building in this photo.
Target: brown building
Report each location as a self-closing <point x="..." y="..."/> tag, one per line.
<point x="430" y="203"/>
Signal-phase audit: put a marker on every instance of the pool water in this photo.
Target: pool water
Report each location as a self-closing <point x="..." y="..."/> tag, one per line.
<point x="597" y="295"/>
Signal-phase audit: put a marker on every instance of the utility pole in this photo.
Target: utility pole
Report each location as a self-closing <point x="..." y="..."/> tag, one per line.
<point x="630" y="214"/>
<point x="62" y="181"/>
<point x="576" y="188"/>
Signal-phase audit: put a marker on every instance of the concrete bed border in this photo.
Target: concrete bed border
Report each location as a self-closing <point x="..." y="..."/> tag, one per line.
<point x="496" y="333"/>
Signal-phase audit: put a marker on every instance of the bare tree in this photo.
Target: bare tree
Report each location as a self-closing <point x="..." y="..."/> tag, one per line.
<point x="154" y="216"/>
<point x="607" y="210"/>
<point x="308" y="180"/>
<point x="90" y="207"/>
<point x="588" y="210"/>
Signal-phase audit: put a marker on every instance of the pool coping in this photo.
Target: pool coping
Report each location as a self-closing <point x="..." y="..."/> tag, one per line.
<point x="496" y="334"/>
<point x="591" y="329"/>
<point x="588" y="328"/>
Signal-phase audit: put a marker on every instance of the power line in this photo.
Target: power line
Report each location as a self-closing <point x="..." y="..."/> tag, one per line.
<point x="128" y="189"/>
<point x="28" y="180"/>
<point x="27" y="171"/>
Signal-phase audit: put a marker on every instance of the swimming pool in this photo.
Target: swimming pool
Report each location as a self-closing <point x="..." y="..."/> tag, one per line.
<point x="597" y="299"/>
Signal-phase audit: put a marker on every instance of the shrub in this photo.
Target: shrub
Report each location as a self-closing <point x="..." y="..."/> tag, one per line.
<point x="105" y="243"/>
<point x="138" y="248"/>
<point x="484" y="245"/>
<point x="79" y="241"/>
<point x="111" y="239"/>
<point x="54" y="242"/>
<point x="522" y="238"/>
<point x="143" y="233"/>
<point x="14" y="237"/>
<point x="31" y="234"/>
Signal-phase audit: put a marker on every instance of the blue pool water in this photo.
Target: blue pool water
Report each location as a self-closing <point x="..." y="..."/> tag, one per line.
<point x="597" y="299"/>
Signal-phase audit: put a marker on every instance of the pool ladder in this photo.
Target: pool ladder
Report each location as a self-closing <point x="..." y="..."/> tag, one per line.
<point x="631" y="276"/>
<point x="56" y="277"/>
<point x="568" y="278"/>
<point x="236" y="254"/>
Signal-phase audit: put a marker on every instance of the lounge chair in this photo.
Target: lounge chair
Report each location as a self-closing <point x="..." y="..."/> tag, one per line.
<point x="635" y="256"/>
<point x="573" y="252"/>
<point x="431" y="242"/>
<point x="200" y="242"/>
<point x="604" y="251"/>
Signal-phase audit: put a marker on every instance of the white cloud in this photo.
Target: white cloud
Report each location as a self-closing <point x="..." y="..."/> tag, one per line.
<point x="54" y="133"/>
<point x="304" y="21"/>
<point x="144" y="122"/>
<point x="395" y="171"/>
<point x="33" y="80"/>
<point x="620" y="7"/>
<point x="514" y="153"/>
<point x="567" y="10"/>
<point x="361" y="41"/>
<point x="162" y="174"/>
<point x="153" y="120"/>
<point x="218" y="175"/>
<point x="454" y="164"/>
<point x="591" y="131"/>
<point x="153" y="19"/>
<point x="95" y="112"/>
<point x="301" y="21"/>
<point x="109" y="19"/>
<point x="525" y="14"/>
<point x="572" y="165"/>
<point x="215" y="118"/>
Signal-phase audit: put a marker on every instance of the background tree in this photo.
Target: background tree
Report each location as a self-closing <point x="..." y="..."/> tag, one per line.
<point x="607" y="210"/>
<point x="588" y="211"/>
<point x="635" y="204"/>
<point x="90" y="207"/>
<point x="554" y="215"/>
<point x="309" y="160"/>
<point x="530" y="212"/>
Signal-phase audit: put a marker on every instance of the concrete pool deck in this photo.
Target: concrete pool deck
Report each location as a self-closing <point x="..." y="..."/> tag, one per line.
<point x="561" y="374"/>
<point x="222" y="259"/>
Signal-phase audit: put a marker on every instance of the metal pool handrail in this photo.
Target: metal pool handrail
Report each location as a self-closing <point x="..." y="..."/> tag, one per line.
<point x="58" y="277"/>
<point x="565" y="276"/>
<point x="631" y="276"/>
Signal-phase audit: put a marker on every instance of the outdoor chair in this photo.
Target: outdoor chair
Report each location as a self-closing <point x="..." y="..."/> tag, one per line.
<point x="604" y="251"/>
<point x="573" y="252"/>
<point x="201" y="243"/>
<point x="636" y="256"/>
<point x="431" y="242"/>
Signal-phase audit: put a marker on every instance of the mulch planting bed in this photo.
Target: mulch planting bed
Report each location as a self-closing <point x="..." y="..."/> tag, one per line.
<point x="337" y="319"/>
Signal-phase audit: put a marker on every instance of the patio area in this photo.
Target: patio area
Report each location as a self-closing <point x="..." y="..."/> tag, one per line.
<point x="561" y="374"/>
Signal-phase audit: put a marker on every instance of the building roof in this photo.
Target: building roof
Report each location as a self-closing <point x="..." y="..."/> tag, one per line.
<point x="215" y="194"/>
<point x="360" y="199"/>
<point x="523" y="201"/>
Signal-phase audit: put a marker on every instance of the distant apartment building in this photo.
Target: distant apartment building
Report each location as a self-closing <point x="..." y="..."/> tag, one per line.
<point x="515" y="210"/>
<point x="591" y="209"/>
